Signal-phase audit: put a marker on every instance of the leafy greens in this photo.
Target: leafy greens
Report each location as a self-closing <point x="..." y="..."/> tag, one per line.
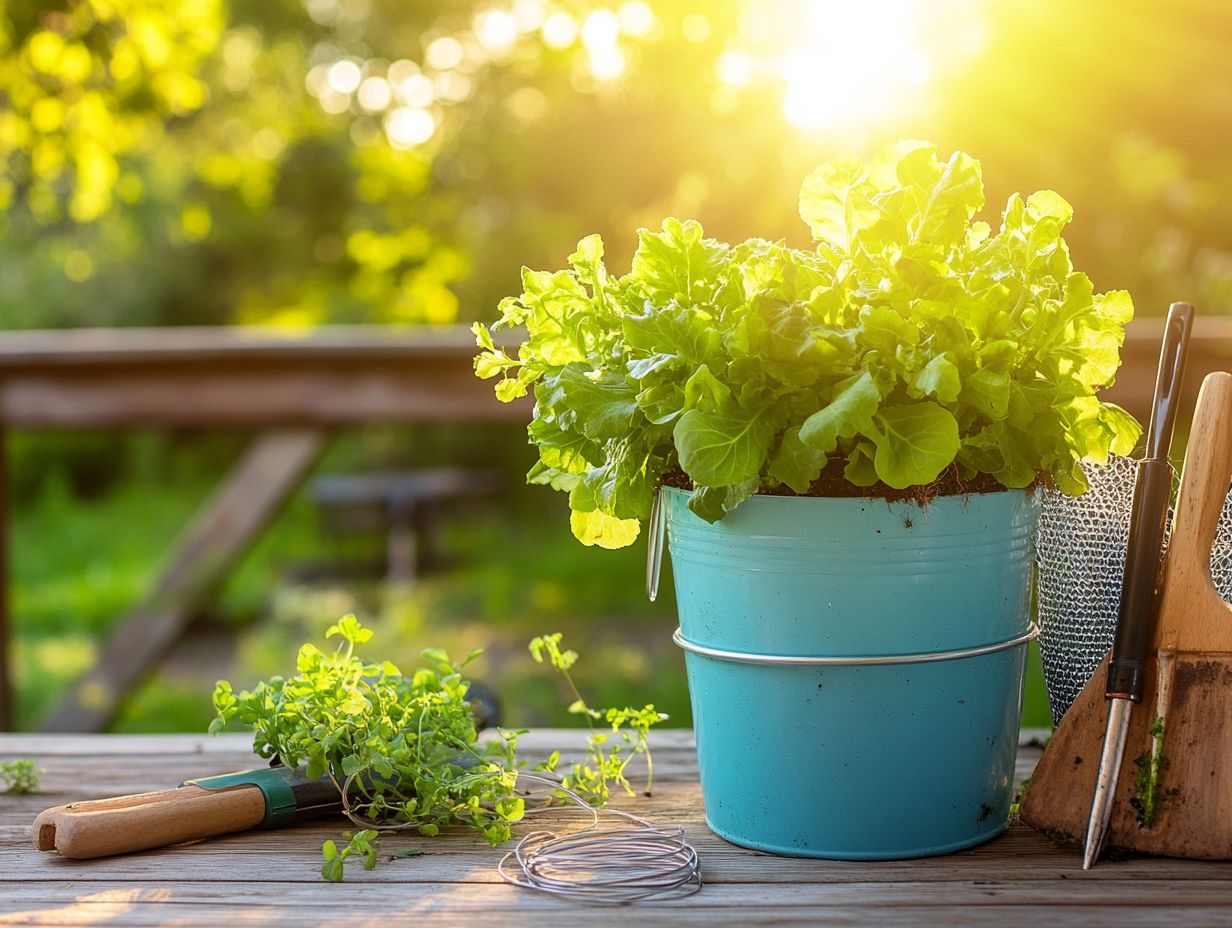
<point x="912" y="339"/>
<point x="403" y="749"/>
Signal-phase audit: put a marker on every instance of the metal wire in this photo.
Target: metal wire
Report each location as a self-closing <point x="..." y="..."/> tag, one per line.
<point x="613" y="865"/>
<point x="1081" y="561"/>
<point x="870" y="660"/>
<point x="603" y="865"/>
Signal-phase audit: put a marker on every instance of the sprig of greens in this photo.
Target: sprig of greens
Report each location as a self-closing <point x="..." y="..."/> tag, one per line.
<point x="363" y="843"/>
<point x="608" y="753"/>
<point x="402" y="749"/>
<point x="18" y="776"/>
<point x="912" y="339"/>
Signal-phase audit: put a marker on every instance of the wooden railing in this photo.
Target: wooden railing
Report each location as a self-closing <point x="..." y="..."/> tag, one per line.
<point x="294" y="390"/>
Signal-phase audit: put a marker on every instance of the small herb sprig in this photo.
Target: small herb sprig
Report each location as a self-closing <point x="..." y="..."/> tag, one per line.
<point x="402" y="749"/>
<point x="18" y="776"/>
<point x="608" y="753"/>
<point x="363" y="843"/>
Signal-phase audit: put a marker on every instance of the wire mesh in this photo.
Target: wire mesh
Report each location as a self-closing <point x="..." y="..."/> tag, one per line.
<point x="1081" y="566"/>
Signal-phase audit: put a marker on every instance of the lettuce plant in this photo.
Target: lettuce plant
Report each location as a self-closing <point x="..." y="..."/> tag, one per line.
<point x="911" y="339"/>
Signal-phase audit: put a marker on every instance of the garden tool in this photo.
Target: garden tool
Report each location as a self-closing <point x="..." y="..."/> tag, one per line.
<point x="270" y="797"/>
<point x="1170" y="793"/>
<point x="1152" y="493"/>
<point x="1080" y="560"/>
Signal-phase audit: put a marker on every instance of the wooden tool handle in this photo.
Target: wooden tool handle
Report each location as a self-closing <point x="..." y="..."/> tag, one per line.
<point x="1192" y="615"/>
<point x="103" y="827"/>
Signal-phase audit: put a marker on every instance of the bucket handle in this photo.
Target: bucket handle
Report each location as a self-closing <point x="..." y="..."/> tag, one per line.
<point x="924" y="657"/>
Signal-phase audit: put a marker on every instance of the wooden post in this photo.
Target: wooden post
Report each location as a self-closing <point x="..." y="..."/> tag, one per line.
<point x="8" y="717"/>
<point x="208" y="548"/>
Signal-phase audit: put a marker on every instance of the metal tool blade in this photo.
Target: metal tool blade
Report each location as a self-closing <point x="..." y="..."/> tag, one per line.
<point x="1109" y="770"/>
<point x="654" y="544"/>
<point x="1127" y="664"/>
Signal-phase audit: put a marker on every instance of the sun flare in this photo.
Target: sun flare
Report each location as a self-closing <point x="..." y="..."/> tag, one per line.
<point x="842" y="63"/>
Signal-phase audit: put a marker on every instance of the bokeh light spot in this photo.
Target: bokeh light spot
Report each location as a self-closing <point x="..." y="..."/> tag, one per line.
<point x="559" y="30"/>
<point x="344" y="76"/>
<point x="444" y="53"/>
<point x="407" y="126"/>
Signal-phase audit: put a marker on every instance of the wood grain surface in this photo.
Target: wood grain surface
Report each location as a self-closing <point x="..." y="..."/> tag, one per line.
<point x="270" y="878"/>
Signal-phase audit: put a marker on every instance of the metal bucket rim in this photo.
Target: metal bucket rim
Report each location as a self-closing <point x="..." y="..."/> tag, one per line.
<point x="1034" y="491"/>
<point x="919" y="657"/>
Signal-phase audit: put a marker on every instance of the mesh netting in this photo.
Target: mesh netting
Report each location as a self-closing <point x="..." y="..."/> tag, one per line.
<point x="1081" y="559"/>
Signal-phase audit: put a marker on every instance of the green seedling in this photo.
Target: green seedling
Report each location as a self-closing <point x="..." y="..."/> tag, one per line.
<point x="18" y="776"/>
<point x="608" y="752"/>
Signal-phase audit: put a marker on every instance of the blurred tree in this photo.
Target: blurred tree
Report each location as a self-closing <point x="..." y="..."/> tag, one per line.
<point x="86" y="83"/>
<point x="307" y="161"/>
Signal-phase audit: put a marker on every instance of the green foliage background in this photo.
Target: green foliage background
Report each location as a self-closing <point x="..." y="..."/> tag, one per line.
<point x="165" y="163"/>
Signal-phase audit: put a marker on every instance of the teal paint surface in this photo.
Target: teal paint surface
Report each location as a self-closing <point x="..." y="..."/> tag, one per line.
<point x="865" y="762"/>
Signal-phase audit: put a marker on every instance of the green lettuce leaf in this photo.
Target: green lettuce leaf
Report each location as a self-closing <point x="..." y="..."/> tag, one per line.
<point x="721" y="449"/>
<point x="915" y="443"/>
<point x="912" y="338"/>
<point x="849" y="412"/>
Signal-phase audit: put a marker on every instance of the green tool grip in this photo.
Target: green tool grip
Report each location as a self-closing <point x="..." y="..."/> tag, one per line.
<point x="278" y="785"/>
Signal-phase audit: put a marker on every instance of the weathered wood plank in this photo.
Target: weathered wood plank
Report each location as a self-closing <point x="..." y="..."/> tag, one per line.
<point x="292" y="856"/>
<point x="119" y="911"/>
<point x="237" y="395"/>
<point x="220" y="533"/>
<point x="458" y="895"/>
<point x="460" y="904"/>
<point x="75" y="348"/>
<point x="240" y="377"/>
<point x="7" y="711"/>
<point x="270" y="878"/>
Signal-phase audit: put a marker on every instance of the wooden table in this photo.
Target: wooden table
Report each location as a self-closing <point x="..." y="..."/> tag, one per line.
<point x="271" y="879"/>
<point x="293" y="388"/>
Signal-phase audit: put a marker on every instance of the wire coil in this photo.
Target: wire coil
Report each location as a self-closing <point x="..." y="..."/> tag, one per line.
<point x="617" y="865"/>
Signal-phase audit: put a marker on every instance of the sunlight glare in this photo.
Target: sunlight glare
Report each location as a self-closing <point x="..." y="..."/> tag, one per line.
<point x="856" y="59"/>
<point x="600" y="31"/>
<point x="607" y="63"/>
<point x="735" y="68"/>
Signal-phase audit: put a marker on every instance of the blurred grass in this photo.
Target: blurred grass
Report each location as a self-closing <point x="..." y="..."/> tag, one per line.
<point x="82" y="557"/>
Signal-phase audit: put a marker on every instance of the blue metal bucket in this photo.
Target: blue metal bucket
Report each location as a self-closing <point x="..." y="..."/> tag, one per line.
<point x="856" y="668"/>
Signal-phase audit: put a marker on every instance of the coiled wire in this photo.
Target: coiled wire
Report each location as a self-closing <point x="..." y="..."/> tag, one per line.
<point x="597" y="864"/>
<point x="603" y="865"/>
